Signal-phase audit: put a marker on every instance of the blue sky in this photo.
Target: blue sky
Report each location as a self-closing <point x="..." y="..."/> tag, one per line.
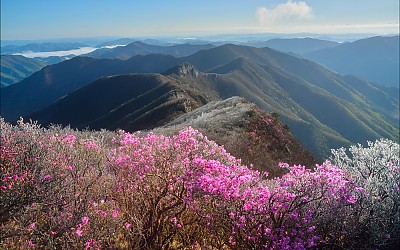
<point x="46" y="19"/>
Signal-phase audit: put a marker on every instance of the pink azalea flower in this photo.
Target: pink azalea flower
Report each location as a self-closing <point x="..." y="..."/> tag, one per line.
<point x="115" y="213"/>
<point x="46" y="177"/>
<point x="85" y="220"/>
<point x="174" y="220"/>
<point x="30" y="244"/>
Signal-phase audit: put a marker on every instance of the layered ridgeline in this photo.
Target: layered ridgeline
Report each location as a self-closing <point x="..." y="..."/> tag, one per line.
<point x="15" y="68"/>
<point x="323" y="109"/>
<point x="375" y="59"/>
<point x="296" y="45"/>
<point x="131" y="102"/>
<point x="140" y="48"/>
<point x="55" y="81"/>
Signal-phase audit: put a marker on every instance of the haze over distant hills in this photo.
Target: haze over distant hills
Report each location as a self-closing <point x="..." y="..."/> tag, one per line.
<point x="323" y="109"/>
<point x="117" y="42"/>
<point x="140" y="48"/>
<point x="40" y="47"/>
<point x="295" y="45"/>
<point x="375" y="59"/>
<point x="126" y="41"/>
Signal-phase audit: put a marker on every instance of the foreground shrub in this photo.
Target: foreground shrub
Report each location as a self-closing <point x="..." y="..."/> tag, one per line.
<point x="47" y="180"/>
<point x="376" y="170"/>
<point x="68" y="189"/>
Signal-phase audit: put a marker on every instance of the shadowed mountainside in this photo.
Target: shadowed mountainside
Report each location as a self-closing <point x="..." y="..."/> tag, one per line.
<point x="130" y="102"/>
<point x="55" y="81"/>
<point x="15" y="68"/>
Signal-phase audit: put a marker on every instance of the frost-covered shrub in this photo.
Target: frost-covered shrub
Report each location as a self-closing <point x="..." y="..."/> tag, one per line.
<point x="48" y="177"/>
<point x="376" y="170"/>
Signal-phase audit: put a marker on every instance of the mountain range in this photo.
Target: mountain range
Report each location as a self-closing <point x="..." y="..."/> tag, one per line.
<point x="375" y="59"/>
<point x="54" y="59"/>
<point x="354" y="58"/>
<point x="295" y="45"/>
<point x="140" y="48"/>
<point x="323" y="109"/>
<point x="16" y="68"/>
<point x="131" y="102"/>
<point x="126" y="41"/>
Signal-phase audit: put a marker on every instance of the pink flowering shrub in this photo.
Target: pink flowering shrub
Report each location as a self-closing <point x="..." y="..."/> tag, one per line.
<point x="153" y="179"/>
<point x="67" y="189"/>
<point x="292" y="212"/>
<point x="189" y="191"/>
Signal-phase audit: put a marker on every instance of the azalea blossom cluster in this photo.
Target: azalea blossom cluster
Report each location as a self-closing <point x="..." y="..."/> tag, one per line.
<point x="99" y="190"/>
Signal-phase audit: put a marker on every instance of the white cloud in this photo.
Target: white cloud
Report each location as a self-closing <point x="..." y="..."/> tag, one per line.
<point x="77" y="52"/>
<point x="112" y="46"/>
<point x="284" y="12"/>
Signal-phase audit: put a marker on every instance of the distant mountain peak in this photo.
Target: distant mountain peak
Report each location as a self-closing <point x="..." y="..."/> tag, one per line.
<point x="137" y="43"/>
<point x="183" y="70"/>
